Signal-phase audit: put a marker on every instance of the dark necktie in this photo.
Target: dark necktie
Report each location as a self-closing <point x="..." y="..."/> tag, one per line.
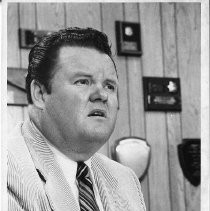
<point x="86" y="195"/>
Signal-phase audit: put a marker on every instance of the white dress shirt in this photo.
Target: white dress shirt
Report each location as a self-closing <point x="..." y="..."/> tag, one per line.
<point x="69" y="168"/>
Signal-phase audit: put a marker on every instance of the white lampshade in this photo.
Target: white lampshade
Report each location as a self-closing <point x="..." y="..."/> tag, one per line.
<point x="134" y="153"/>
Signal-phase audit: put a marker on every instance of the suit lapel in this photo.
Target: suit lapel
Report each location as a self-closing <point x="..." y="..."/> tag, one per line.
<point x="111" y="196"/>
<point x="56" y="187"/>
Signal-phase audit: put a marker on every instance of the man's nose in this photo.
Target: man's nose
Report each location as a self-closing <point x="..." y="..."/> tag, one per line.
<point x="98" y="94"/>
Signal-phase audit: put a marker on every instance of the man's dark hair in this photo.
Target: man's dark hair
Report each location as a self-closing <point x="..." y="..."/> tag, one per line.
<point x="43" y="56"/>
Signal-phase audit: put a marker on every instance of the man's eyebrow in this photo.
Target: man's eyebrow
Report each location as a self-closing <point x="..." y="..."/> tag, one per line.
<point x="78" y="74"/>
<point x="113" y="81"/>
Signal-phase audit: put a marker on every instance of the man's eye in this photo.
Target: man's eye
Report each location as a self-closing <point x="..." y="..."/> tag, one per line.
<point x="82" y="82"/>
<point x="110" y="87"/>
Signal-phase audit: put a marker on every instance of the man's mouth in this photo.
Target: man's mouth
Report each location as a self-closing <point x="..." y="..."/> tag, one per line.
<point x="97" y="113"/>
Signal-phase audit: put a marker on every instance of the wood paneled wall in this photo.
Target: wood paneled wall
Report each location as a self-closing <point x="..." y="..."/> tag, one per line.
<point x="171" y="48"/>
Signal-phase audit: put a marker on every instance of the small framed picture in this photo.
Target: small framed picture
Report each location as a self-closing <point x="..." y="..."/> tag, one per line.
<point x="128" y="38"/>
<point x="162" y="94"/>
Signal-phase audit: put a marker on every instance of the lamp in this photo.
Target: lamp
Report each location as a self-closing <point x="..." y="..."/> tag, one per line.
<point x="133" y="152"/>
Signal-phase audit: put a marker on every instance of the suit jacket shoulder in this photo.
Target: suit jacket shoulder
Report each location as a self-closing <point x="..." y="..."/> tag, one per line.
<point x="24" y="186"/>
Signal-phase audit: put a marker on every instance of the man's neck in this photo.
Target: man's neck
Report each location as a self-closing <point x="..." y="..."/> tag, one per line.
<point x="49" y="135"/>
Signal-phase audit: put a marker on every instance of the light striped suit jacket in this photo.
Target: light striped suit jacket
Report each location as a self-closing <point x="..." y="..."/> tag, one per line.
<point x="36" y="183"/>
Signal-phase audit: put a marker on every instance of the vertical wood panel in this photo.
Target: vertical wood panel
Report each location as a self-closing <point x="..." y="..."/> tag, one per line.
<point x="188" y="41"/>
<point x="27" y="21"/>
<point x="134" y="74"/>
<point x="83" y="15"/>
<point x="155" y="121"/>
<point x="50" y="16"/>
<point x="13" y="52"/>
<point x="110" y="13"/>
<point x="188" y="35"/>
<point x="173" y="119"/>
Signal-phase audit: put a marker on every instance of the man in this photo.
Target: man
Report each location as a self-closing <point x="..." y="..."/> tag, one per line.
<point x="72" y="88"/>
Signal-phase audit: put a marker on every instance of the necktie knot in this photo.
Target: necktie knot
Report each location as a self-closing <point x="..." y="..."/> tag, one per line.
<point x="82" y="171"/>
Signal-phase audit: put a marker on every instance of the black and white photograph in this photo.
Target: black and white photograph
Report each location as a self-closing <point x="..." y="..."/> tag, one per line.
<point x="105" y="106"/>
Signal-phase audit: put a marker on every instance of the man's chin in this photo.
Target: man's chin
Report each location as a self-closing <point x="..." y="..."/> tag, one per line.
<point x="89" y="143"/>
<point x="98" y="136"/>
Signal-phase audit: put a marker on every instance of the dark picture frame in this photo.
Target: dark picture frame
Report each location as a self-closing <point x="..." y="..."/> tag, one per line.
<point x="128" y="38"/>
<point x="162" y="94"/>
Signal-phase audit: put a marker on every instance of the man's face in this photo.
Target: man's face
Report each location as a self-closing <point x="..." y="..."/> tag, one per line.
<point x="82" y="105"/>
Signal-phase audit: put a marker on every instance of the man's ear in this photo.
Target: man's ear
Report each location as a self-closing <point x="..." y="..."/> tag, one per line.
<point x="38" y="93"/>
